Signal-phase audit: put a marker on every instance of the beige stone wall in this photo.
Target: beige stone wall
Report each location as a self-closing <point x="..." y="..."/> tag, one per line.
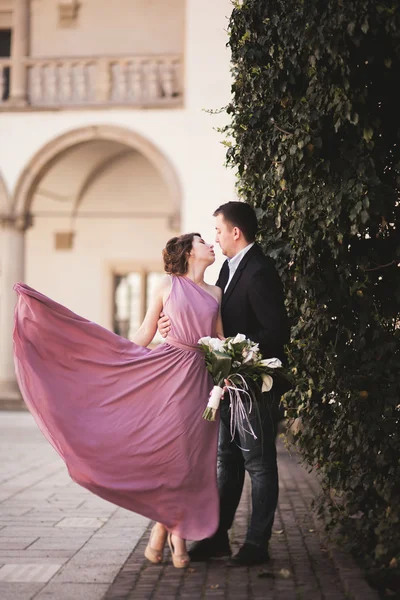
<point x="133" y="186"/>
<point x="6" y="7"/>
<point x="104" y="27"/>
<point x="118" y="224"/>
<point x="183" y="142"/>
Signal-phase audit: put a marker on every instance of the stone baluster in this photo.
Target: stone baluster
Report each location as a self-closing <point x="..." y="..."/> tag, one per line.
<point x="50" y="84"/>
<point x="79" y="82"/>
<point x="65" y="82"/>
<point x="136" y="81"/>
<point x="36" y="84"/>
<point x="152" y="80"/>
<point x="103" y="76"/>
<point x="167" y="79"/>
<point x="178" y="77"/>
<point x="123" y="82"/>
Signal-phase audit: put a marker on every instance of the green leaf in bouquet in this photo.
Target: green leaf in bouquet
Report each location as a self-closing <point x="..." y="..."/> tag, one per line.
<point x="221" y="364"/>
<point x="238" y="348"/>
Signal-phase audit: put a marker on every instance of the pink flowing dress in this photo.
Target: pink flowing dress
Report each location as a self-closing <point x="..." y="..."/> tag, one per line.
<point x="126" y="420"/>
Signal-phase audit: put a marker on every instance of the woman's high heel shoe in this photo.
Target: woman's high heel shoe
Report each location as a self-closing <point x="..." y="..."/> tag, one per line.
<point x="154" y="556"/>
<point x="180" y="561"/>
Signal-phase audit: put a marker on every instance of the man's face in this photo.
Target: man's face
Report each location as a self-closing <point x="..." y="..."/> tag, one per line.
<point x="225" y="236"/>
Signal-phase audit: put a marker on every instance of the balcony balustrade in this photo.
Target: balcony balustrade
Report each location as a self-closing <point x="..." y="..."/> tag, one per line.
<point x="137" y="81"/>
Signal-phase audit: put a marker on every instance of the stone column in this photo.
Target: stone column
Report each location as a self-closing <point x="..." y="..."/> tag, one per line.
<point x="12" y="270"/>
<point x="19" y="51"/>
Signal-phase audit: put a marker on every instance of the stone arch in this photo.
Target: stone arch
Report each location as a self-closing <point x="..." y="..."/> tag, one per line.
<point x="45" y="158"/>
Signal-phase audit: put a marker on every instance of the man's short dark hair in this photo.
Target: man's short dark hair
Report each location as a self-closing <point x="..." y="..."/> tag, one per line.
<point x="241" y="215"/>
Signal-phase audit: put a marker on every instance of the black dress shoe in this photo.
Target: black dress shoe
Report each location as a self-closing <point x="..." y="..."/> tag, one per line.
<point x="215" y="547"/>
<point x="248" y="556"/>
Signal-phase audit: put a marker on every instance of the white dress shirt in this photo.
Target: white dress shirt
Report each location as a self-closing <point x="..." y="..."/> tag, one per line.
<point x="234" y="262"/>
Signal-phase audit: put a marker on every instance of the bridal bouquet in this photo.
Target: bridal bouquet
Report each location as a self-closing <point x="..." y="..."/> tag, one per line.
<point x="237" y="359"/>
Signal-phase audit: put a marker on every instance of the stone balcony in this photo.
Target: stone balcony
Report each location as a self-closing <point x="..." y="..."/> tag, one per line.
<point x="55" y="83"/>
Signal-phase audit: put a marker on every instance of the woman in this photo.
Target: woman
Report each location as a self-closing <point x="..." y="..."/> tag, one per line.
<point x="126" y="419"/>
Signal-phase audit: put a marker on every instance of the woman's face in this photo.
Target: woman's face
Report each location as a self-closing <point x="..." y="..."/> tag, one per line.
<point x="201" y="251"/>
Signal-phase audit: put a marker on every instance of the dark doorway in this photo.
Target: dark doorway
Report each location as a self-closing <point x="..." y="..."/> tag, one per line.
<point x="5" y="52"/>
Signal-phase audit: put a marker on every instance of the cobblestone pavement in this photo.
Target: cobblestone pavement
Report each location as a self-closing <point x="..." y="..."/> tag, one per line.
<point x="303" y="565"/>
<point x="59" y="542"/>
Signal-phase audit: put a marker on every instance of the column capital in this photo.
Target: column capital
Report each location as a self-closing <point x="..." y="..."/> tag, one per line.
<point x="17" y="222"/>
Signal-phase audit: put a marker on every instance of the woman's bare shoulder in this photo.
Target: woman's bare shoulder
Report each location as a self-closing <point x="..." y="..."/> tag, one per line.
<point x="215" y="291"/>
<point x="165" y="280"/>
<point x="162" y="289"/>
<point x="164" y="284"/>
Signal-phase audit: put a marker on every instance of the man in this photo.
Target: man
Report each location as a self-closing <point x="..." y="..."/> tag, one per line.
<point x="252" y="304"/>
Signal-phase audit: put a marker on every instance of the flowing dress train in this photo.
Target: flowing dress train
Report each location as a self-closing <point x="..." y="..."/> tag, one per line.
<point x="126" y="420"/>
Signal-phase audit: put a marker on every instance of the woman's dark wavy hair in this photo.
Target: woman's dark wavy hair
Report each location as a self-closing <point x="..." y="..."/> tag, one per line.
<point x="176" y="254"/>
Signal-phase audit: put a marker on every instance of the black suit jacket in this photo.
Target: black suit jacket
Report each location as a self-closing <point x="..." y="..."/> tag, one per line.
<point x="253" y="304"/>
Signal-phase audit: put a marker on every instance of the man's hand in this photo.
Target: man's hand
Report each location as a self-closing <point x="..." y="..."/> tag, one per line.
<point x="164" y="325"/>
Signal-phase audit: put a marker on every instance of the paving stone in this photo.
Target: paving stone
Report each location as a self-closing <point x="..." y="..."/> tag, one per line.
<point x="58" y="543"/>
<point x="13" y="511"/>
<point x="10" y="543"/>
<point x="37" y="573"/>
<point x="38" y="530"/>
<point x="110" y="543"/>
<point x="19" y="591"/>
<point x="29" y="523"/>
<point x="14" y="555"/>
<point x="31" y="558"/>
<point x="90" y="522"/>
<point x="103" y="557"/>
<point x="72" y="591"/>
<point x="83" y="573"/>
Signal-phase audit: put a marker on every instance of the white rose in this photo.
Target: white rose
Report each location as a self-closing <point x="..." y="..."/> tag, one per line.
<point x="267" y="383"/>
<point x="205" y="340"/>
<point x="239" y="338"/>
<point x="272" y="363"/>
<point x="216" y="344"/>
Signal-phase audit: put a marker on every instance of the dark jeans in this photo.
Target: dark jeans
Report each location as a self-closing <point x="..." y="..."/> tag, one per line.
<point x="258" y="458"/>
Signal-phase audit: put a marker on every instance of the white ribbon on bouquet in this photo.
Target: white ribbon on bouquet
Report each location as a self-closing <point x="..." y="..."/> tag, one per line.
<point x="240" y="420"/>
<point x="239" y="415"/>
